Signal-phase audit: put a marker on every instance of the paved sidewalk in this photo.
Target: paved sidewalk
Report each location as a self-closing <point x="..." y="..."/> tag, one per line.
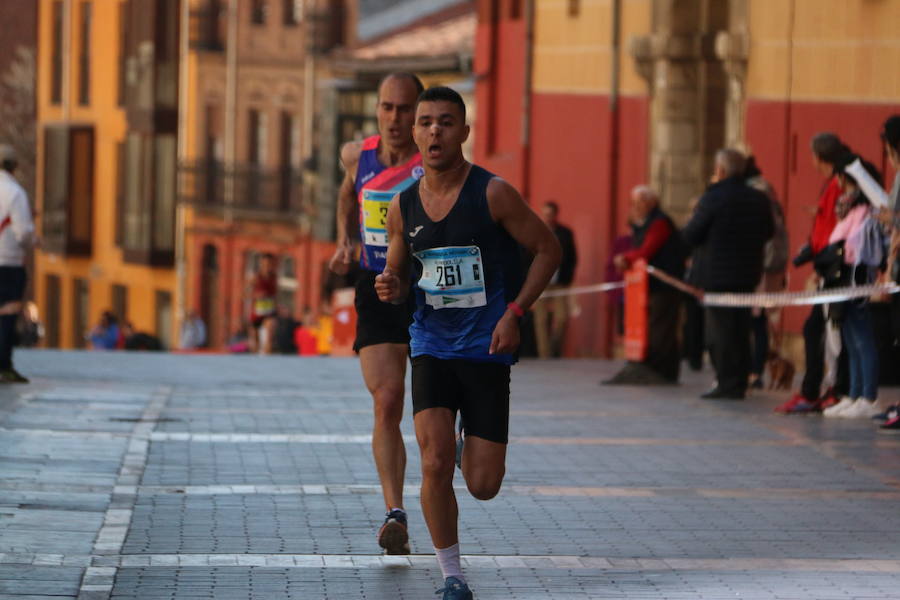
<point x="233" y="477"/>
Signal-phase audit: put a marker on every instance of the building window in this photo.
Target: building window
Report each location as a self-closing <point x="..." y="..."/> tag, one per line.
<point x="68" y="189"/>
<point x="120" y="302"/>
<point x="289" y="183"/>
<point x="164" y="317"/>
<point x="84" y="56"/>
<point x="52" y="295"/>
<point x="259" y="12"/>
<point x="256" y="138"/>
<point x="148" y="199"/>
<point x="124" y="14"/>
<point x="56" y="75"/>
<point x="80" y="308"/>
<point x="293" y="12"/>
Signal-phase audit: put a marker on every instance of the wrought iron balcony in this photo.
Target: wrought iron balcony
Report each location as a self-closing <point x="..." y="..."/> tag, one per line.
<point x="253" y="191"/>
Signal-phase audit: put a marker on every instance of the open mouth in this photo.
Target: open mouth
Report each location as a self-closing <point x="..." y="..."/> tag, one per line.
<point x="434" y="150"/>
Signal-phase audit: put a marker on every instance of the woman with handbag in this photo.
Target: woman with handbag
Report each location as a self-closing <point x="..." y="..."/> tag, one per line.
<point x="859" y="243"/>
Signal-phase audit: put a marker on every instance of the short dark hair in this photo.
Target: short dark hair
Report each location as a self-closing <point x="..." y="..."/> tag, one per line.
<point x="552" y="204"/>
<point x="9" y="165"/>
<point x="267" y="255"/>
<point x="412" y="77"/>
<point x="442" y="93"/>
<point x="828" y="147"/>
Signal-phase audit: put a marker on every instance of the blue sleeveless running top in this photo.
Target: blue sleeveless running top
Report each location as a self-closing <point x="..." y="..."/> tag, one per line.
<point x="376" y="185"/>
<point x="465" y="269"/>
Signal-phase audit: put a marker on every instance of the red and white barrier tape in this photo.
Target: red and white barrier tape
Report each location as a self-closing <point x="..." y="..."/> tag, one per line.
<point x="753" y="300"/>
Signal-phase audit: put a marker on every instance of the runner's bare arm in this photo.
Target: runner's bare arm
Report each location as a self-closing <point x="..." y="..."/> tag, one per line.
<point x="393" y="284"/>
<point x="510" y="211"/>
<point x="347" y="209"/>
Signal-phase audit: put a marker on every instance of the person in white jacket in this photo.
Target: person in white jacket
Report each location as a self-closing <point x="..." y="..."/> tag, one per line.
<point x="16" y="236"/>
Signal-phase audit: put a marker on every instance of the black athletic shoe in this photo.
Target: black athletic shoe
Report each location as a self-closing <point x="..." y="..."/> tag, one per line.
<point x="393" y="536"/>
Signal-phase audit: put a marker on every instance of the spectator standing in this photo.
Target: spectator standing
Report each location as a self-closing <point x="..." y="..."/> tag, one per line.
<point x="890" y="135"/>
<point x="733" y="222"/>
<point x="655" y="239"/>
<point x="858" y="237"/>
<point x="826" y="149"/>
<point x="551" y="314"/>
<point x="193" y="332"/>
<point x="16" y="236"/>
<point x="774" y="277"/>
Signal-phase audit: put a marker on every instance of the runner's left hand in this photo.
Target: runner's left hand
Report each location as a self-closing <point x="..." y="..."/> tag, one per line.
<point x="505" y="339"/>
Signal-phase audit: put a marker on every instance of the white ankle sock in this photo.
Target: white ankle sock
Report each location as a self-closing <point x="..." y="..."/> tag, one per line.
<point x="448" y="559"/>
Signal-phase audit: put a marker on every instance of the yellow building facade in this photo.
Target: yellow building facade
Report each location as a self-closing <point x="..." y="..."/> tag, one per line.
<point x="84" y="267"/>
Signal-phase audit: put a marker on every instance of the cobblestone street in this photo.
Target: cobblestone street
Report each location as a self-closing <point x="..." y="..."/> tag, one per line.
<point x="136" y="476"/>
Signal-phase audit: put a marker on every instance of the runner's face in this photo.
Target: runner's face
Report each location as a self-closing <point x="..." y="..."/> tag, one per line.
<point x="396" y="110"/>
<point x="439" y="132"/>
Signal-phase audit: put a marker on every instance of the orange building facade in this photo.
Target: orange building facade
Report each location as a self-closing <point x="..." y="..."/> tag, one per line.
<point x="106" y="166"/>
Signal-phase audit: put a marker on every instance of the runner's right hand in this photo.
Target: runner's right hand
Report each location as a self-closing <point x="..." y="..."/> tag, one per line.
<point x="387" y="286"/>
<point x="340" y="261"/>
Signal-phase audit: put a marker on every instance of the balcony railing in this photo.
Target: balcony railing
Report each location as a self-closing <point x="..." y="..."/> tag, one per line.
<point x="254" y="191"/>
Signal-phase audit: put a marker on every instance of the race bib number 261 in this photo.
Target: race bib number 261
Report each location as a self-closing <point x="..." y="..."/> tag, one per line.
<point x="452" y="277"/>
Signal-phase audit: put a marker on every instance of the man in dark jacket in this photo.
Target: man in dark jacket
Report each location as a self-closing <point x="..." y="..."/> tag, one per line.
<point x="732" y="222"/>
<point x="551" y="314"/>
<point x="655" y="239"/>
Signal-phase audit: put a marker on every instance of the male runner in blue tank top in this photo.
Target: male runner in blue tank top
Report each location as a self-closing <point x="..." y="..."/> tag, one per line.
<point x="376" y="169"/>
<point x="462" y="225"/>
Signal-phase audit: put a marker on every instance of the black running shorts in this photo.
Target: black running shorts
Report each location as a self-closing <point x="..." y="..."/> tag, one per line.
<point x="379" y="322"/>
<point x="479" y="390"/>
<point x="12" y="284"/>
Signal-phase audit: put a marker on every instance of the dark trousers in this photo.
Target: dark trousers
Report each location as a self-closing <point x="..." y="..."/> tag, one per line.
<point x="7" y="340"/>
<point x="760" y="326"/>
<point x="692" y="334"/>
<point x="663" y="355"/>
<point x="814" y="342"/>
<point x="728" y="342"/>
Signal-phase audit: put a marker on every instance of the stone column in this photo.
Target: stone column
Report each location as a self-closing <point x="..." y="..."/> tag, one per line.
<point x="687" y="87"/>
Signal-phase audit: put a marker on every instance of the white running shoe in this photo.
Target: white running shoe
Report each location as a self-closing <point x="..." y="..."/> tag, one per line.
<point x="837" y="410"/>
<point x="863" y="408"/>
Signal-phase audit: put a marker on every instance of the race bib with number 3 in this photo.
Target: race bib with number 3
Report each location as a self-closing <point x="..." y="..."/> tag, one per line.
<point x="452" y="277"/>
<point x="375" y="210"/>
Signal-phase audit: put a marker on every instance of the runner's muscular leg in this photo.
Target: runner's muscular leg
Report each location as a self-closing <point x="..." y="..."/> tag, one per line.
<point x="483" y="466"/>
<point x="384" y="370"/>
<point x="437" y="446"/>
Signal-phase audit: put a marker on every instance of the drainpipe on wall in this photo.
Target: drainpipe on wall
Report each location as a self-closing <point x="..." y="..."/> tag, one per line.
<point x="231" y="110"/>
<point x="616" y="25"/>
<point x="67" y="60"/>
<point x="180" y="241"/>
<point x="526" y="101"/>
